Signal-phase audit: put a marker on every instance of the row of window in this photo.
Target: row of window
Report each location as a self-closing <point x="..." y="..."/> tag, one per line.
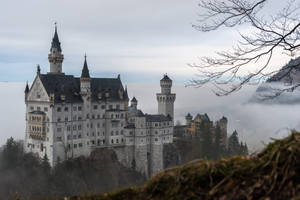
<point x="95" y="107"/>
<point x="38" y="108"/>
<point x="75" y="118"/>
<point x="36" y="129"/>
<point x="36" y="118"/>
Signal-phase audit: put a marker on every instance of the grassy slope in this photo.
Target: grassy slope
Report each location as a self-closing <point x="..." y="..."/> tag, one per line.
<point x="273" y="174"/>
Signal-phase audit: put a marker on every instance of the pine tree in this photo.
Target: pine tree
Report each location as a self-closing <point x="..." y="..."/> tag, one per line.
<point x="217" y="145"/>
<point x="233" y="144"/>
<point x="206" y="141"/>
<point x="46" y="165"/>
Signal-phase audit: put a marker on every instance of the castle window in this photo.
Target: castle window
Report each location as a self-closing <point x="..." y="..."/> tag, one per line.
<point x="98" y="125"/>
<point x="117" y="140"/>
<point x="103" y="141"/>
<point x="112" y="133"/>
<point x="112" y="116"/>
<point x="93" y="141"/>
<point x="79" y="118"/>
<point x="69" y="137"/>
<point x="68" y="128"/>
<point x="98" y="142"/>
<point x="87" y="134"/>
<point x="74" y="127"/>
<point x="98" y="133"/>
<point x="75" y="146"/>
<point x="87" y="143"/>
<point x="31" y="108"/>
<point x="87" y="116"/>
<point x="118" y="106"/>
<point x="80" y="144"/>
<point x="156" y="139"/>
<point x="112" y="141"/>
<point x="79" y="108"/>
<point x="66" y="119"/>
<point x="95" y="107"/>
<point x="74" y="108"/>
<point x="79" y="135"/>
<point x="69" y="146"/>
<point x="45" y="109"/>
<point x="93" y="134"/>
<point x="88" y="125"/>
<point x="122" y="140"/>
<point x="110" y="107"/>
<point x="74" y="136"/>
<point x="58" y="109"/>
<point x="66" y="109"/>
<point x="79" y="127"/>
<point x="117" y="132"/>
<point x="98" y="116"/>
<point x="122" y="115"/>
<point x="93" y="116"/>
<point x="121" y="132"/>
<point x="59" y="129"/>
<point x="38" y="108"/>
<point x="91" y="125"/>
<point x="58" y="139"/>
<point x="74" y="117"/>
<point x="103" y="107"/>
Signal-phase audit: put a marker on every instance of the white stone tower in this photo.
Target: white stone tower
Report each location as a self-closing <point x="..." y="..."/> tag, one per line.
<point x="86" y="93"/>
<point x="55" y="56"/>
<point x="166" y="98"/>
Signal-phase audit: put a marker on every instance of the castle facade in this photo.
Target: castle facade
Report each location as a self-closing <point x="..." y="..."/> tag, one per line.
<point x="68" y="117"/>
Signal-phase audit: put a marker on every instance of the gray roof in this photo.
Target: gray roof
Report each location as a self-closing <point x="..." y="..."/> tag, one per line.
<point x="204" y="117"/>
<point x="166" y="78"/>
<point x="133" y="99"/>
<point x="85" y="70"/>
<point x="55" y="41"/>
<point x="70" y="86"/>
<point x="157" y="118"/>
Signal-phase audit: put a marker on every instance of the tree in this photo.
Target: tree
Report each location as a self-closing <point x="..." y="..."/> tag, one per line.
<point x="234" y="147"/>
<point x="217" y="145"/>
<point x="206" y="141"/>
<point x="11" y="154"/>
<point x="268" y="34"/>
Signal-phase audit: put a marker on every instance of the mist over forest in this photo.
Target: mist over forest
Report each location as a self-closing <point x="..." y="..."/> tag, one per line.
<point x="255" y="123"/>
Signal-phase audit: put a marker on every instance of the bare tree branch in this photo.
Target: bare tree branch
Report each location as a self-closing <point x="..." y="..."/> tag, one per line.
<point x="254" y="51"/>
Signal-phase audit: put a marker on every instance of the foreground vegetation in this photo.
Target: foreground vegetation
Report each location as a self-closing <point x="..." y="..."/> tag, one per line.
<point x="272" y="174"/>
<point x="24" y="175"/>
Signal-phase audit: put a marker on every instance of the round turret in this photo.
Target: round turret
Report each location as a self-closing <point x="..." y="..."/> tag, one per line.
<point x="134" y="103"/>
<point x="188" y="119"/>
<point x="166" y="85"/>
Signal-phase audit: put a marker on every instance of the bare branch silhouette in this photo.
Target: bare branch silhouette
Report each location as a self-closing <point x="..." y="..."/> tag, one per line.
<point x="255" y="50"/>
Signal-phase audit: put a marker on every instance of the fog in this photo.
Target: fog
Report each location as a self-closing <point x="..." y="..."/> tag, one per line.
<point x="255" y="123"/>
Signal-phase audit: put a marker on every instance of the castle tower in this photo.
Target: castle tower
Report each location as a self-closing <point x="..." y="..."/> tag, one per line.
<point x="55" y="56"/>
<point x="26" y="91"/>
<point x="188" y="119"/>
<point x="134" y="103"/>
<point x="166" y="99"/>
<point x="85" y="79"/>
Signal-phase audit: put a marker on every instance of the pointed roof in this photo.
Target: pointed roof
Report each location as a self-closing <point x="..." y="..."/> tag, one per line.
<point x="166" y="78"/>
<point x="85" y="70"/>
<point x="26" y="88"/>
<point x="55" y="41"/>
<point x="133" y="99"/>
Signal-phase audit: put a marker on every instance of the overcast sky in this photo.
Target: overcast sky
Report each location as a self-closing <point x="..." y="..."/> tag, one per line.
<point x="139" y="39"/>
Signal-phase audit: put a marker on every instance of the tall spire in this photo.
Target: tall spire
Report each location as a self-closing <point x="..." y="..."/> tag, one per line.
<point x="55" y="56"/>
<point x="85" y="70"/>
<point x="26" y="88"/>
<point x="55" y="41"/>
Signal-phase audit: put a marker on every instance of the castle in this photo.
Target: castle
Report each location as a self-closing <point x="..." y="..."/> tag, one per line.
<point x="194" y="128"/>
<point x="68" y="117"/>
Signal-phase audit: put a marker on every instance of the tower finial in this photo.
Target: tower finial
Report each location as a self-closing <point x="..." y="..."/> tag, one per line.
<point x="85" y="71"/>
<point x="38" y="69"/>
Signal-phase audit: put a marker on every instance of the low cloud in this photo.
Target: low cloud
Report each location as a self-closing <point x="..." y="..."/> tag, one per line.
<point x="255" y="123"/>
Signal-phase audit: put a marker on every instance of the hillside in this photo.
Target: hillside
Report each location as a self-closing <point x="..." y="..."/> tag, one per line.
<point x="272" y="174"/>
<point x="287" y="76"/>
